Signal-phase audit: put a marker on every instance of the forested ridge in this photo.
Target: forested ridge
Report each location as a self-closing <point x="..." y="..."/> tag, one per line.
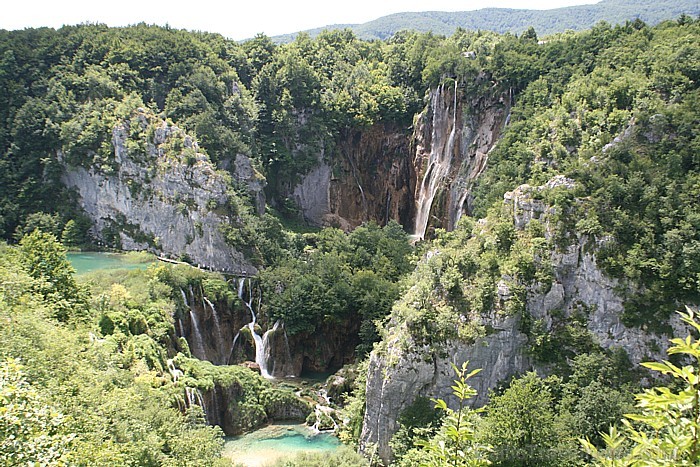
<point x="515" y="20"/>
<point x="609" y="114"/>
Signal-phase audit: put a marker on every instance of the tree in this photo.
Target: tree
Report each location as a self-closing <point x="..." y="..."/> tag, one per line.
<point x="667" y="431"/>
<point x="522" y="426"/>
<point x="44" y="259"/>
<point x="29" y="428"/>
<point x="72" y="234"/>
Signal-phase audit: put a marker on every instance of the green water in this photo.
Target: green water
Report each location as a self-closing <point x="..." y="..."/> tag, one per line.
<point x="271" y="443"/>
<point x="85" y="262"/>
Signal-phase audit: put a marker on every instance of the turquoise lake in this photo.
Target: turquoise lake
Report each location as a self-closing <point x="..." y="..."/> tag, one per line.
<point x="274" y="442"/>
<point x="85" y="262"/>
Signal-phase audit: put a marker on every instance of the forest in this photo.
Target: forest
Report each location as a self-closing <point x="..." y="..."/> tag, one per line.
<point x="97" y="370"/>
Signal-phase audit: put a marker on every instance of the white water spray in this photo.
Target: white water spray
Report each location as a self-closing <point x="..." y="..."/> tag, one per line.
<point x="260" y="358"/>
<point x="438" y="164"/>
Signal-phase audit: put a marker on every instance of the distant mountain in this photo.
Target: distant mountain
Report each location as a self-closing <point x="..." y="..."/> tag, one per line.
<point x="511" y="20"/>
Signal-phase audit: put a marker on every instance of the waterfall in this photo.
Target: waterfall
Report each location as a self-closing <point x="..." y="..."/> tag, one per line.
<point x="439" y="161"/>
<point x="324" y="410"/>
<point x="193" y="396"/>
<point x="241" y="284"/>
<point x="217" y="321"/>
<point x="184" y="297"/>
<point x="175" y="372"/>
<point x="233" y="346"/>
<point x="260" y="358"/>
<point x="359" y="185"/>
<point x="197" y="338"/>
<point x="259" y="351"/>
<point x="266" y="344"/>
<point x="459" y="208"/>
<point x="179" y="332"/>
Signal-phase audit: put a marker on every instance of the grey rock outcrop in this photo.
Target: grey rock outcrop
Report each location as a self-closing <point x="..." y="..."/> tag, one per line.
<point x="393" y="387"/>
<point x="400" y="371"/>
<point x="170" y="202"/>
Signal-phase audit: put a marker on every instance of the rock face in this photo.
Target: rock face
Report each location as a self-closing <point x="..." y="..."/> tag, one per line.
<point x="397" y="376"/>
<point x="369" y="178"/>
<point x="451" y="142"/>
<point x="168" y="201"/>
<point x="210" y="327"/>
<point x="393" y="387"/>
<point x="327" y="349"/>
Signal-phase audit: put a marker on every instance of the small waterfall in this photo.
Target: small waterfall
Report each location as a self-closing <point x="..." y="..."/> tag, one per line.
<point x="456" y="214"/>
<point x="324" y="411"/>
<point x="175" y="372"/>
<point x="259" y="351"/>
<point x="197" y="337"/>
<point x="217" y="323"/>
<point x="233" y="346"/>
<point x="241" y="284"/>
<point x="439" y="162"/>
<point x="193" y="396"/>
<point x="179" y="332"/>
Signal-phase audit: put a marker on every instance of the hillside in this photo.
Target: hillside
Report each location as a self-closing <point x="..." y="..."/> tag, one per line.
<point x="502" y="20"/>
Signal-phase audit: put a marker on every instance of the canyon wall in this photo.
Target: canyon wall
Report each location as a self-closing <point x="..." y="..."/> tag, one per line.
<point x="368" y="177"/>
<point x="419" y="177"/>
<point x="166" y="200"/>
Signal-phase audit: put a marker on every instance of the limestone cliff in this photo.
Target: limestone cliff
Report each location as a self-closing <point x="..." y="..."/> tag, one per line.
<point x="403" y="368"/>
<point x="425" y="178"/>
<point x="162" y="195"/>
<point x="369" y="177"/>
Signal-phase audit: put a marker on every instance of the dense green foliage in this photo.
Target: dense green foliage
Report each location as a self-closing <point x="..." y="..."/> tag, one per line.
<point x="337" y="278"/>
<point x="502" y="20"/>
<point x="621" y="120"/>
<point x="530" y="421"/>
<point x="86" y="382"/>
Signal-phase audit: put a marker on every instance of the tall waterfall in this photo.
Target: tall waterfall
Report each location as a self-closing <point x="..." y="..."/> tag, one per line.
<point x="260" y="353"/>
<point x="439" y="162"/>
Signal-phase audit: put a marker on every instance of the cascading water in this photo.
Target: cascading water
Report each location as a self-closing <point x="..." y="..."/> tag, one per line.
<point x="175" y="372"/>
<point x="260" y="352"/>
<point x="439" y="161"/>
<point x="217" y="324"/>
<point x="193" y="396"/>
<point x="197" y="338"/>
<point x="233" y="346"/>
<point x="324" y="413"/>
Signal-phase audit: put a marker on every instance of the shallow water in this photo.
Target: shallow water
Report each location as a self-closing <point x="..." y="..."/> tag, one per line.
<point x="271" y="443"/>
<point x="85" y="262"/>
